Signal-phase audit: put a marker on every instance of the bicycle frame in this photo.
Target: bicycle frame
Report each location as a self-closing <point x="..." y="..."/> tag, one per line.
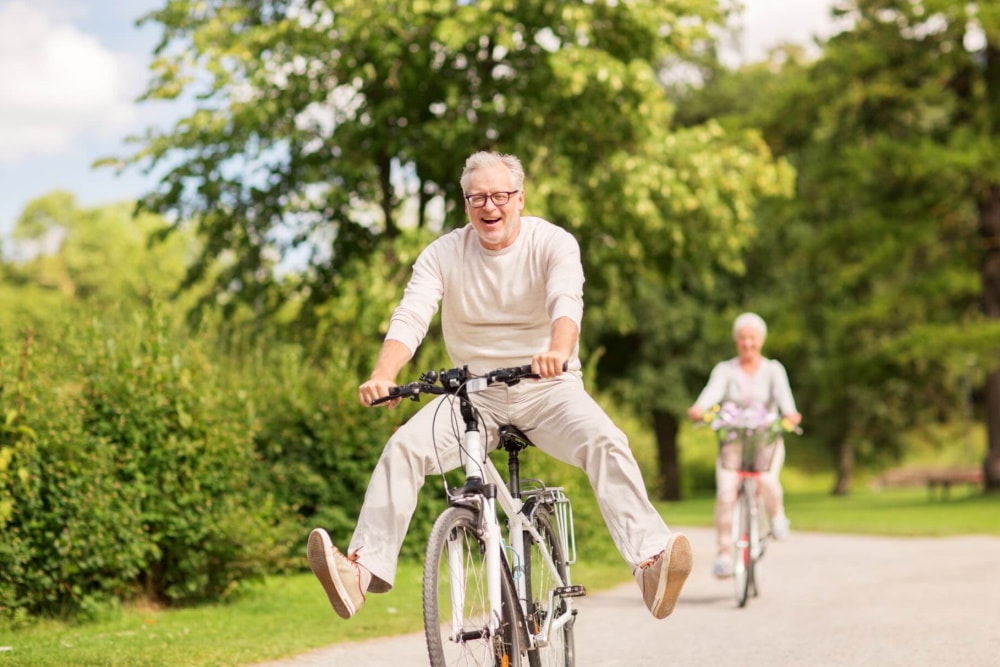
<point x="749" y="479"/>
<point x="756" y="431"/>
<point x="749" y="484"/>
<point x="748" y="540"/>
<point x="517" y="525"/>
<point x="478" y="466"/>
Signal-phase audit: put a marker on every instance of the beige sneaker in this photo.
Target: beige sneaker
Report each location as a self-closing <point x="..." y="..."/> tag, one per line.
<point x="343" y="579"/>
<point x="661" y="577"/>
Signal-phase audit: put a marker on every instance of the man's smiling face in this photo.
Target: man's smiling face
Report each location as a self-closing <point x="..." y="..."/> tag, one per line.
<point x="497" y="226"/>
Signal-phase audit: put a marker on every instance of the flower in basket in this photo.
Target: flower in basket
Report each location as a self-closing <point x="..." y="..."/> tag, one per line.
<point x="725" y="419"/>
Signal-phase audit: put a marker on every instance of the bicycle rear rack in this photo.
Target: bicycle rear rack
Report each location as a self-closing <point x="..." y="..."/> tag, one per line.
<point x="563" y="511"/>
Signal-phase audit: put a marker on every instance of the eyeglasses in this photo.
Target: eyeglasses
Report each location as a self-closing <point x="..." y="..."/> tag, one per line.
<point x="498" y="198"/>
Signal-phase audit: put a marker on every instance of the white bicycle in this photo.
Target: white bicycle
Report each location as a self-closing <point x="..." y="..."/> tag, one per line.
<point x="752" y="431"/>
<point x="487" y="600"/>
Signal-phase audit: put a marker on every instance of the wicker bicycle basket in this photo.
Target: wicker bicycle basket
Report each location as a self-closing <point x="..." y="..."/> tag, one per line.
<point x="748" y="449"/>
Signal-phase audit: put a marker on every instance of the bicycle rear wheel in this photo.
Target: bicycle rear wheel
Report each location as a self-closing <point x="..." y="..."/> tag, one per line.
<point x="742" y="560"/>
<point x="539" y="580"/>
<point x="456" y="599"/>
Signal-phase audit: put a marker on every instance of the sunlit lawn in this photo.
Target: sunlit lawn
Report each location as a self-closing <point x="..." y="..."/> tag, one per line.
<point x="906" y="512"/>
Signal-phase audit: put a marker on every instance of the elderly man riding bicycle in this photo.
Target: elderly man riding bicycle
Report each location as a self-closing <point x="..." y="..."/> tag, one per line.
<point x="510" y="290"/>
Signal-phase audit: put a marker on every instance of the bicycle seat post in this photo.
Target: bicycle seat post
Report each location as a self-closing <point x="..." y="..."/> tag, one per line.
<point x="514" y="469"/>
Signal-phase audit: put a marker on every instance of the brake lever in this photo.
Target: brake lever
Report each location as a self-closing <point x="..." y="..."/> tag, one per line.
<point x="405" y="391"/>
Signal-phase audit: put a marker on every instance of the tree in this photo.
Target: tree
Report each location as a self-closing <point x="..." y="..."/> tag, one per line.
<point x="917" y="122"/>
<point x="99" y="257"/>
<point x="317" y="124"/>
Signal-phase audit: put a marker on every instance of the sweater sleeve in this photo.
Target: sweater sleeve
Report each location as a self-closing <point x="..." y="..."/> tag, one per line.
<point x="564" y="289"/>
<point x="781" y="389"/>
<point x="715" y="390"/>
<point x="412" y="317"/>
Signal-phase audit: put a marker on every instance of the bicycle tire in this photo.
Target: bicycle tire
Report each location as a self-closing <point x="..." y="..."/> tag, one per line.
<point x="742" y="560"/>
<point x="456" y="538"/>
<point x="756" y="550"/>
<point x="539" y="582"/>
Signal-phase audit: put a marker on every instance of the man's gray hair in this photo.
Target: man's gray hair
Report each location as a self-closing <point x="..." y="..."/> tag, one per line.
<point x="752" y="320"/>
<point x="486" y="159"/>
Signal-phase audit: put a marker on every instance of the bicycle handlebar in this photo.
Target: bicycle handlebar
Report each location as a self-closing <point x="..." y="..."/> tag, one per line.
<point x="455" y="380"/>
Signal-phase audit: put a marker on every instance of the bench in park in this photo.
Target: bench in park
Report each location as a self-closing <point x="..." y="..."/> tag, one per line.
<point x="937" y="480"/>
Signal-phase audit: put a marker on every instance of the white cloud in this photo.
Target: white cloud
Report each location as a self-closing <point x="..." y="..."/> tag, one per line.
<point x="57" y="84"/>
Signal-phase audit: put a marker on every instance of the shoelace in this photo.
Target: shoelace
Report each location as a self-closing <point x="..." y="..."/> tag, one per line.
<point x="649" y="561"/>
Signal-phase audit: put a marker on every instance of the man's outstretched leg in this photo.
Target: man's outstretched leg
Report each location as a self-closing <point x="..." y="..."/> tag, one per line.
<point x="343" y="579"/>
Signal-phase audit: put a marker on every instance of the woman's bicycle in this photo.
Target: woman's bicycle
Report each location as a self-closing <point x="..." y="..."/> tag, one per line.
<point x="486" y="600"/>
<point x="747" y="438"/>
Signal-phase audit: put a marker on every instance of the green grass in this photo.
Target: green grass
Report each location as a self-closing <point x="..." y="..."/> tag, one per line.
<point x="902" y="512"/>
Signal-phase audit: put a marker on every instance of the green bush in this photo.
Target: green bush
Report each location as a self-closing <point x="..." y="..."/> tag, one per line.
<point x="68" y="541"/>
<point x="137" y="479"/>
<point x="320" y="446"/>
<point x="185" y="451"/>
<point x="137" y="463"/>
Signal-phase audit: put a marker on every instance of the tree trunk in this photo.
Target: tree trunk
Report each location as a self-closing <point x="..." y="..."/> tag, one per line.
<point x="845" y="468"/>
<point x="666" y="427"/>
<point x="388" y="197"/>
<point x="989" y="229"/>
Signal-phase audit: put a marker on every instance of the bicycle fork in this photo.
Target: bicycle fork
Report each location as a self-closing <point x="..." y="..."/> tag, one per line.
<point x="456" y="566"/>
<point x="475" y="479"/>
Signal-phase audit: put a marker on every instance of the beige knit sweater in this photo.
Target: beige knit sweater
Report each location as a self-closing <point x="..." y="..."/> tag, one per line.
<point x="497" y="306"/>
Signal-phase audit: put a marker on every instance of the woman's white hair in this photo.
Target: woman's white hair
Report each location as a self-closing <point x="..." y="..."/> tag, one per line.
<point x="752" y="320"/>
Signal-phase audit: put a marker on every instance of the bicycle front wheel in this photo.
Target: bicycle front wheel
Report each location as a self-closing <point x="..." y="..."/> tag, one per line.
<point x="742" y="560"/>
<point x="544" y="607"/>
<point x="456" y="598"/>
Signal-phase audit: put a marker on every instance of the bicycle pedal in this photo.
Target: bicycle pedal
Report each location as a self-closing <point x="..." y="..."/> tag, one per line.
<point x="573" y="591"/>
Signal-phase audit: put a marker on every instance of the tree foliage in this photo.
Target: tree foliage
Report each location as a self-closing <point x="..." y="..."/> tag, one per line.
<point x="320" y="127"/>
<point x="96" y="257"/>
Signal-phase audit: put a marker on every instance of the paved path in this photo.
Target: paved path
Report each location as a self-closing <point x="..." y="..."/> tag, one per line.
<point x="826" y="600"/>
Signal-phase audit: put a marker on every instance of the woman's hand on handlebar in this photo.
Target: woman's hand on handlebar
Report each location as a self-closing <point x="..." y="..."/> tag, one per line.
<point x="377" y="388"/>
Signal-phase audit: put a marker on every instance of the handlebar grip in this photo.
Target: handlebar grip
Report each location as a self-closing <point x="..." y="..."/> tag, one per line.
<point x="526" y="370"/>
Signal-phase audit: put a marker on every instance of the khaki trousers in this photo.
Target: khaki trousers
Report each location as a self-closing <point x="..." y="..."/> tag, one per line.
<point x="559" y="416"/>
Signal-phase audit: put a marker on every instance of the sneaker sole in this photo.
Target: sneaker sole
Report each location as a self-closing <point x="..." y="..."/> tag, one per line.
<point x="677" y="562"/>
<point x="321" y="562"/>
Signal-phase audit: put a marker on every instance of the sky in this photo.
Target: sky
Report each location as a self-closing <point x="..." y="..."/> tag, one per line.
<point x="71" y="72"/>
